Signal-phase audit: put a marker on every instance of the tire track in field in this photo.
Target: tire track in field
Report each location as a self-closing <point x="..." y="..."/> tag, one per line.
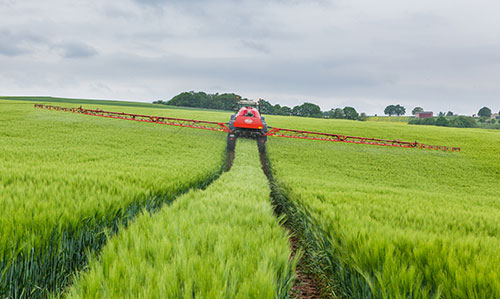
<point x="306" y="285"/>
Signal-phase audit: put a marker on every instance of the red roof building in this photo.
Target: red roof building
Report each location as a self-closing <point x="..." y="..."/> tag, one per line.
<point x="424" y="114"/>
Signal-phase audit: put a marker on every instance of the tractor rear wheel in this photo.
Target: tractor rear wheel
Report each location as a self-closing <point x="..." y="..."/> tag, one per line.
<point x="261" y="143"/>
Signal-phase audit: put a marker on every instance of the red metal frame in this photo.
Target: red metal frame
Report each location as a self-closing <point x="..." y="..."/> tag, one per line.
<point x="181" y="122"/>
<point x="248" y="122"/>
<point x="223" y="127"/>
<point x="279" y="132"/>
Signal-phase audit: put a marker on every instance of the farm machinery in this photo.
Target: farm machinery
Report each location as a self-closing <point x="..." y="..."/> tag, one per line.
<point x="248" y="122"/>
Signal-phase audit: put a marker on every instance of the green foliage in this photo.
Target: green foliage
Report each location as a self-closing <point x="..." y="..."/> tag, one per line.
<point x="223" y="242"/>
<point x="346" y="113"/>
<point x="307" y="110"/>
<point x="429" y="121"/>
<point x="285" y="111"/>
<point x="463" y="122"/>
<point x="336" y="113"/>
<point x="493" y="125"/>
<point x="225" y="101"/>
<point x="350" y="113"/>
<point x="363" y="117"/>
<point x="228" y="102"/>
<point x="416" y="110"/>
<point x="268" y="108"/>
<point x="396" y="223"/>
<point x="484" y="112"/>
<point x="442" y="122"/>
<point x="389" y="110"/>
<point x="449" y="113"/>
<point x="483" y="119"/>
<point x="395" y="110"/>
<point x="458" y="121"/>
<point x="68" y="178"/>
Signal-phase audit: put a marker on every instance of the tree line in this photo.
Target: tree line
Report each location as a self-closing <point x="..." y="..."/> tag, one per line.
<point x="449" y="119"/>
<point x="225" y="101"/>
<point x="228" y="101"/>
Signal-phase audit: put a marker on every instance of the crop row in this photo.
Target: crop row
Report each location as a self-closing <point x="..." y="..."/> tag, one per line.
<point x="394" y="223"/>
<point x="65" y="179"/>
<point x="221" y="242"/>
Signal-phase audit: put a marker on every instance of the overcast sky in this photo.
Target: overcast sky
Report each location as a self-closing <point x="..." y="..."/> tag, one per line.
<point x="441" y="55"/>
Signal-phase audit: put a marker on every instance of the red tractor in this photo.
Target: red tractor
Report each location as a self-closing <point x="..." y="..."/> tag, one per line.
<point x="247" y="122"/>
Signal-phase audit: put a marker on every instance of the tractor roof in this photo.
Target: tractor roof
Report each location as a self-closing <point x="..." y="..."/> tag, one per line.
<point x="248" y="103"/>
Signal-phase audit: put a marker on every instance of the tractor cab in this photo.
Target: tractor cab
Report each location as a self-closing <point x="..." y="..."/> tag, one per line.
<point x="248" y="118"/>
<point x="247" y="122"/>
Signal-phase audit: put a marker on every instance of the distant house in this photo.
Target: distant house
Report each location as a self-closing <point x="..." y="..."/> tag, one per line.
<point x="424" y="114"/>
<point x="495" y="116"/>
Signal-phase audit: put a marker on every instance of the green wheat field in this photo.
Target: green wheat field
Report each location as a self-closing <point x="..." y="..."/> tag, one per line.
<point x="105" y="208"/>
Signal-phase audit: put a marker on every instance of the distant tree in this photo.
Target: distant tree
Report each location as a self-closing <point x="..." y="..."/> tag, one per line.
<point x="395" y="110"/>
<point x="277" y="109"/>
<point x="459" y="121"/>
<point x="416" y="110"/>
<point x="266" y="107"/>
<point x="449" y="113"/>
<point x="350" y="113"/>
<point x="483" y="119"/>
<point x="463" y="122"/>
<point x="285" y="110"/>
<point x="442" y="121"/>
<point x="329" y="113"/>
<point x="485" y="111"/>
<point x="492" y="121"/>
<point x="187" y="99"/>
<point x="363" y="116"/>
<point x="307" y="110"/>
<point x="336" y="113"/>
<point x="390" y="110"/>
<point x="225" y="101"/>
<point x="399" y="110"/>
<point x="441" y="114"/>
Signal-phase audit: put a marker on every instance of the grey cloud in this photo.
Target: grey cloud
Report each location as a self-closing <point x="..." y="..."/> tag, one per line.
<point x="257" y="46"/>
<point x="21" y="43"/>
<point x="75" y="50"/>
<point x="151" y="2"/>
<point x="11" y="50"/>
<point x="111" y="11"/>
<point x="439" y="55"/>
<point x="18" y="43"/>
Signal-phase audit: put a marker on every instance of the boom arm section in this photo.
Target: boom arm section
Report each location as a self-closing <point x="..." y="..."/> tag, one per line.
<point x="276" y="132"/>
<point x="279" y="132"/>
<point x="180" y="122"/>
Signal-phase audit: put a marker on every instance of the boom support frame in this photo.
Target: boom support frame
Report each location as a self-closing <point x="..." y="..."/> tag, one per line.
<point x="279" y="132"/>
<point x="274" y="132"/>
<point x="180" y="122"/>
